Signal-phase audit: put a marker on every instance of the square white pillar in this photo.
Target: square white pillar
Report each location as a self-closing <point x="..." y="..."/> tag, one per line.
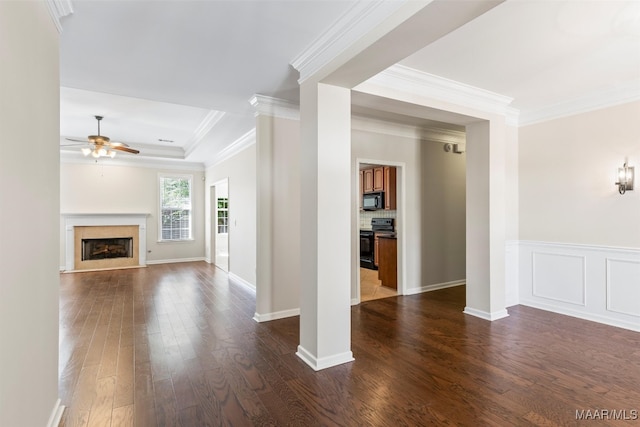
<point x="325" y="294"/>
<point x="486" y="219"/>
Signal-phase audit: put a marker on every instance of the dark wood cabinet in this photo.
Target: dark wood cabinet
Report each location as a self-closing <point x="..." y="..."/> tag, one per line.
<point x="387" y="255"/>
<point x="378" y="179"/>
<point x="368" y="180"/>
<point x="389" y="188"/>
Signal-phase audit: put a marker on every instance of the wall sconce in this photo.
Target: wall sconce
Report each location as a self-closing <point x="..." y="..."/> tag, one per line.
<point x="625" y="179"/>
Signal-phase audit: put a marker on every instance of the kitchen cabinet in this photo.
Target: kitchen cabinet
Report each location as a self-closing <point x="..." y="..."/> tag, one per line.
<point x="389" y="188"/>
<point x="378" y="178"/>
<point x="368" y="180"/>
<point x="387" y="254"/>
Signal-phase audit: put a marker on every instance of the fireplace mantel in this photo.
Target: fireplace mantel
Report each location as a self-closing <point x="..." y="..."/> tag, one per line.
<point x="72" y="220"/>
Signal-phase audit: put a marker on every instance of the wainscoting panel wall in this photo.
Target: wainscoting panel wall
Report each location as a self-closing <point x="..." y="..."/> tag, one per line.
<point x="559" y="277"/>
<point x="623" y="286"/>
<point x="591" y="282"/>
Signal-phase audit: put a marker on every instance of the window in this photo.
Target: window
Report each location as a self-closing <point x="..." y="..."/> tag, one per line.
<point x="175" y="207"/>
<point x="223" y="215"/>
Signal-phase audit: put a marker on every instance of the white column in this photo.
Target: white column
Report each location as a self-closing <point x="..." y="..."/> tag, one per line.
<point x="325" y="302"/>
<point x="264" y="226"/>
<point x="486" y="219"/>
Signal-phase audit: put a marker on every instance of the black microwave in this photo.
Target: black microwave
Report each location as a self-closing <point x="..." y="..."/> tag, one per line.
<point x="373" y="201"/>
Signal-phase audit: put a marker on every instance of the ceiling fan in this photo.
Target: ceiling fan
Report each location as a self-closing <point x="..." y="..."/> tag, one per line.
<point x="102" y="146"/>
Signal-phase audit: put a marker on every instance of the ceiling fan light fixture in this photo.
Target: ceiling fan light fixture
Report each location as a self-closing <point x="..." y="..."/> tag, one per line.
<point x="101" y="146"/>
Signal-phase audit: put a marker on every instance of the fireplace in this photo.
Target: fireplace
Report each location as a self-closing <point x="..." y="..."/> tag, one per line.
<point x="104" y="241"/>
<point x="119" y="247"/>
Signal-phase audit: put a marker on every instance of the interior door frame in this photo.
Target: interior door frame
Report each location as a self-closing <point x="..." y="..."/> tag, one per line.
<point x="401" y="168"/>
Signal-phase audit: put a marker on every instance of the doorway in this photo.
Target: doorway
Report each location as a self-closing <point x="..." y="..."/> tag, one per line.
<point x="220" y="224"/>
<point x="378" y="221"/>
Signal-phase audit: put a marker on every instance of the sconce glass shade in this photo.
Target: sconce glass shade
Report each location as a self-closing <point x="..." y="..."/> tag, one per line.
<point x="626" y="177"/>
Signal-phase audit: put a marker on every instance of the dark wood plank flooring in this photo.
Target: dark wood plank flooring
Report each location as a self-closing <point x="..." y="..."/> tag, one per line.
<point x="175" y="345"/>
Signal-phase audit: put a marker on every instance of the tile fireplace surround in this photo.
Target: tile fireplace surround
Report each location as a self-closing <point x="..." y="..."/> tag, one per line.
<point x="75" y="222"/>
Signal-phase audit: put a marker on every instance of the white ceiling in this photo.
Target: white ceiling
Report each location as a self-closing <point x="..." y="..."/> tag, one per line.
<point x="542" y="53"/>
<point x="185" y="70"/>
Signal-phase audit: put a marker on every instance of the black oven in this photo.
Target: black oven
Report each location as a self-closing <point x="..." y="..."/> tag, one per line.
<point x="367" y="246"/>
<point x="368" y="239"/>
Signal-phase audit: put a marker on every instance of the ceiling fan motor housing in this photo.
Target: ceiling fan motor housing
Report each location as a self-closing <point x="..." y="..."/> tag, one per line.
<point x="99" y="139"/>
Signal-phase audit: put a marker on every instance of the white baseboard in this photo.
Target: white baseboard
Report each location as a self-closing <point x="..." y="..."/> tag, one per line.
<point x="435" y="287"/>
<point x="239" y="280"/>
<point x="276" y="315"/>
<point x="318" y="364"/>
<point x="496" y="315"/>
<point x="175" y="260"/>
<point x="56" y="414"/>
<point x="606" y="320"/>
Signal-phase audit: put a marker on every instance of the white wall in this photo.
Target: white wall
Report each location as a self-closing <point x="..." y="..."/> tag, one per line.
<point x="90" y="187"/>
<point x="284" y="294"/>
<point x="443" y="207"/>
<point x="241" y="172"/>
<point x="29" y="207"/>
<point x="434" y="215"/>
<point x="568" y="168"/>
<point x="579" y="247"/>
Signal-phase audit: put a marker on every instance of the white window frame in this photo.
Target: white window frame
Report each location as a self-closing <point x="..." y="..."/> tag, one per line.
<point x="188" y="177"/>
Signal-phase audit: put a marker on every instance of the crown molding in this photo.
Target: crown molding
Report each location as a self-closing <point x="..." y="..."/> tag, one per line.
<point x="623" y="94"/>
<point x="268" y="106"/>
<point x="201" y="131"/>
<point x="404" y="79"/>
<point x="59" y="9"/>
<point x="363" y="16"/>
<point x="428" y="134"/>
<point x="245" y="141"/>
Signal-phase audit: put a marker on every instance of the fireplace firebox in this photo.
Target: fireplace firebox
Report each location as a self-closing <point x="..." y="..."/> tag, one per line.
<point x="94" y="249"/>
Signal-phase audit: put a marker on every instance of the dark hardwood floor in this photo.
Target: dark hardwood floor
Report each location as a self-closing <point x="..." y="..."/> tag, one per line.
<point x="175" y="344"/>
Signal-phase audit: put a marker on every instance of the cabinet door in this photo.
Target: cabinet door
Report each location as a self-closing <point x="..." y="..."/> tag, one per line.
<point x="388" y="269"/>
<point x="389" y="188"/>
<point x="368" y="180"/>
<point x="378" y="179"/>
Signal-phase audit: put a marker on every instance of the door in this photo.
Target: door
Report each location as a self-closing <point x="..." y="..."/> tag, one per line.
<point x="220" y="224"/>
